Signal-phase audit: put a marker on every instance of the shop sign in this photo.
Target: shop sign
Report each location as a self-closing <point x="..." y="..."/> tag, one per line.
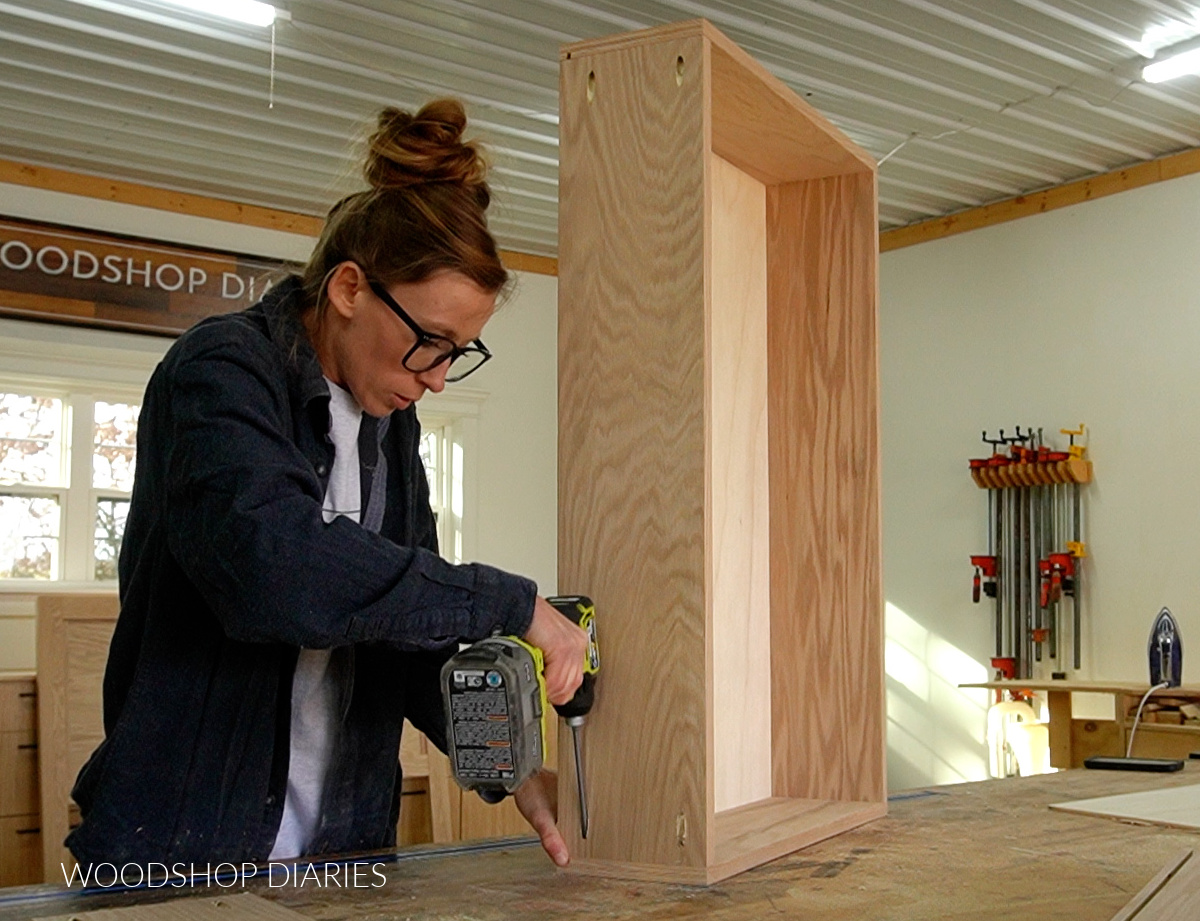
<point x="77" y="276"/>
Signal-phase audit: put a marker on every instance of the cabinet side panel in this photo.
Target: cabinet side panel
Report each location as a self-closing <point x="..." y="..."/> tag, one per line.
<point x="631" y="441"/>
<point x="739" y="509"/>
<point x="826" y="585"/>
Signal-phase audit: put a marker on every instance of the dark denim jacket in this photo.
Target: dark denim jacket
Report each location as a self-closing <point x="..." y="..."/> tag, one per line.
<point x="227" y="569"/>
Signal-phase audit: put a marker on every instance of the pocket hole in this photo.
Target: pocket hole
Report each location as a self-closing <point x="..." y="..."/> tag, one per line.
<point x="591" y="87"/>
<point x="679" y="71"/>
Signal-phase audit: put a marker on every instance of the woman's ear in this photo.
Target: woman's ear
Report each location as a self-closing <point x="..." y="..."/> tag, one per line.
<point x="345" y="288"/>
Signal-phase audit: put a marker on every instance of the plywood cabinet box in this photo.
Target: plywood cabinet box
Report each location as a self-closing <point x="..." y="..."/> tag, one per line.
<point x="718" y="457"/>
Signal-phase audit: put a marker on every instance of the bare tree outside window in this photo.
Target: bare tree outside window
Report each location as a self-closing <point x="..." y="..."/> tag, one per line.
<point x="31" y="459"/>
<point x="31" y="430"/>
<point x="44" y="528"/>
<point x="114" y="451"/>
<point x="110" y="528"/>
<point x="114" y="446"/>
<point x="28" y="537"/>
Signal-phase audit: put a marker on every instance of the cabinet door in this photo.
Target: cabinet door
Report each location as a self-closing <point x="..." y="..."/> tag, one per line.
<point x="20" y="851"/>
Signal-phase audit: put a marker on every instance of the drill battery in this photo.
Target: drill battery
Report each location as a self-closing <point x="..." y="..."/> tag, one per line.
<point x="495" y="703"/>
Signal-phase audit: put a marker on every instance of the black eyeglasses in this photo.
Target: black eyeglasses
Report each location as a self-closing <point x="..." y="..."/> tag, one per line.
<point x="430" y="349"/>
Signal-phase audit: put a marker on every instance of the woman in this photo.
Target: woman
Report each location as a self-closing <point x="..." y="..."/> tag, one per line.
<point x="283" y="607"/>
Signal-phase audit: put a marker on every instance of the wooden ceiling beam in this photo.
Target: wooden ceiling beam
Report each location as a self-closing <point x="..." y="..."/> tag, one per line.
<point x="132" y="193"/>
<point x="1071" y="193"/>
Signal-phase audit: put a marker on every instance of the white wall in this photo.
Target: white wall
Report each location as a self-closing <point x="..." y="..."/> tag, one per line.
<point x="515" y="470"/>
<point x="1088" y="314"/>
<point x="517" y="473"/>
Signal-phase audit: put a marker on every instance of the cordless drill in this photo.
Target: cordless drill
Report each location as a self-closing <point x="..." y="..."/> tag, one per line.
<point x="494" y="694"/>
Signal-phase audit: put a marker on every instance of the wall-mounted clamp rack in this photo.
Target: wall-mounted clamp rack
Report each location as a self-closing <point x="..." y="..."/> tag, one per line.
<point x="1036" y="551"/>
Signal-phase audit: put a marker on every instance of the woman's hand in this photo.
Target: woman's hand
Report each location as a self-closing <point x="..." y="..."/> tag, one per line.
<point x="563" y="645"/>
<point x="537" y="800"/>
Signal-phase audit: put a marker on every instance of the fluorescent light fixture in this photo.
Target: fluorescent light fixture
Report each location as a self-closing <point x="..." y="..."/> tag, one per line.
<point x="1164" y="35"/>
<point x="250" y="12"/>
<point x="1175" y="61"/>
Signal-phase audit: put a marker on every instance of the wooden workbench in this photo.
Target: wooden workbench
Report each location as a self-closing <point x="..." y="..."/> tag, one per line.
<point x="972" y="851"/>
<point x="1072" y="740"/>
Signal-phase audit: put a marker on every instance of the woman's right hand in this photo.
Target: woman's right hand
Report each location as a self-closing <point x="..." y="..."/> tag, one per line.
<point x="563" y="645"/>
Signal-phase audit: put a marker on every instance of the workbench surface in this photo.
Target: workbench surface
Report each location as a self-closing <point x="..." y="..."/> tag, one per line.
<point x="970" y="851"/>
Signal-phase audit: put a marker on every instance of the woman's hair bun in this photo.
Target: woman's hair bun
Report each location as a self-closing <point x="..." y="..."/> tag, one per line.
<point x="408" y="149"/>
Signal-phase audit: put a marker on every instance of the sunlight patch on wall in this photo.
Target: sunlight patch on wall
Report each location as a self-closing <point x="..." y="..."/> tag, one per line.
<point x="937" y="728"/>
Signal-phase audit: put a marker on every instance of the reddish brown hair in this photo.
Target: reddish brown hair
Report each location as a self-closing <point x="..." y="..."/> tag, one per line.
<point x="425" y="210"/>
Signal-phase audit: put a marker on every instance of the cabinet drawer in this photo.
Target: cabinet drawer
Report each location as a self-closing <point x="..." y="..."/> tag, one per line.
<point x="18" y="705"/>
<point x="20" y="851"/>
<point x="18" y="774"/>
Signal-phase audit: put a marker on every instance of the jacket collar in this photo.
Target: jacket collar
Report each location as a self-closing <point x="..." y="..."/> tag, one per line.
<point x="282" y="306"/>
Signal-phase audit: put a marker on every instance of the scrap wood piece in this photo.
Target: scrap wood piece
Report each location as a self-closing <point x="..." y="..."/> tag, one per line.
<point x="1172" y="807"/>
<point x="1173" y="894"/>
<point x="241" y="907"/>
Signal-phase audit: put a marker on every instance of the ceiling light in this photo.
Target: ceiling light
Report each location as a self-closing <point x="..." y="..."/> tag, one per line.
<point x="250" y="12"/>
<point x="1176" y="61"/>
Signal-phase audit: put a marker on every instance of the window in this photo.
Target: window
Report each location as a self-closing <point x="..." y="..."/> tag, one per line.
<point x="66" y="471"/>
<point x="442" y="456"/>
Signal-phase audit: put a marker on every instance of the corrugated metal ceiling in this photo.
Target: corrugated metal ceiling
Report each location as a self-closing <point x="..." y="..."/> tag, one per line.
<point x="965" y="101"/>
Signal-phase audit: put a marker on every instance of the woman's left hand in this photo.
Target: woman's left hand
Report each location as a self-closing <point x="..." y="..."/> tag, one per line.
<point x="537" y="799"/>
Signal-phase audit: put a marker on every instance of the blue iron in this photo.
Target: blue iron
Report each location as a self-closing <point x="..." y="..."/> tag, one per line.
<point x="1166" y="651"/>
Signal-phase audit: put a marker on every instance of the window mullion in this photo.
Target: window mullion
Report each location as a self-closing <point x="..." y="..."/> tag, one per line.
<point x="80" y="504"/>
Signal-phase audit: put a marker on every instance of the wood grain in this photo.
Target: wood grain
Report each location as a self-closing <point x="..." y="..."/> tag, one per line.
<point x="73" y="634"/>
<point x="240" y="907"/>
<point x="955" y="853"/>
<point x="765" y="129"/>
<point x="20" y="850"/>
<point x="18" y="773"/>
<point x="1173" y="894"/>
<point x="1059" y="705"/>
<point x="415" y="825"/>
<point x="632" y="440"/>
<point x="1091" y="737"/>
<point x="446" y="818"/>
<point x="738" y="494"/>
<point x="1177" y="807"/>
<point x="826" y="584"/>
<point x="665" y="480"/>
<point x="762" y="831"/>
<point x="18" y="702"/>
<point x="1131" y="688"/>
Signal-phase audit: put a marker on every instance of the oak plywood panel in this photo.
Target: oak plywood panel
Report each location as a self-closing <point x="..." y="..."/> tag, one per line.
<point x="1173" y="894"/>
<point x="20" y="850"/>
<point x="1177" y="807"/>
<point x="762" y="127"/>
<point x="631" y="440"/>
<point x="769" y="828"/>
<point x="826" y="593"/>
<point x="18" y="774"/>
<point x="72" y="645"/>
<point x="719" y="443"/>
<point x="739" y="535"/>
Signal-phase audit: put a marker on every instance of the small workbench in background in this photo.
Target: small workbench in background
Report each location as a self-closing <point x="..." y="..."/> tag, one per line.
<point x="1072" y="740"/>
<point x="972" y="851"/>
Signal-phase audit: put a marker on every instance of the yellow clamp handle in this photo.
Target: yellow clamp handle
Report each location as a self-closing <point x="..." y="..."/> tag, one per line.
<point x="1076" y="450"/>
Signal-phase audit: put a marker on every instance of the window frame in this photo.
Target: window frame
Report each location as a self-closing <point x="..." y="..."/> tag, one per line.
<point x="78" y="498"/>
<point x="455" y="411"/>
<point x="87" y="365"/>
<point x="115" y="367"/>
